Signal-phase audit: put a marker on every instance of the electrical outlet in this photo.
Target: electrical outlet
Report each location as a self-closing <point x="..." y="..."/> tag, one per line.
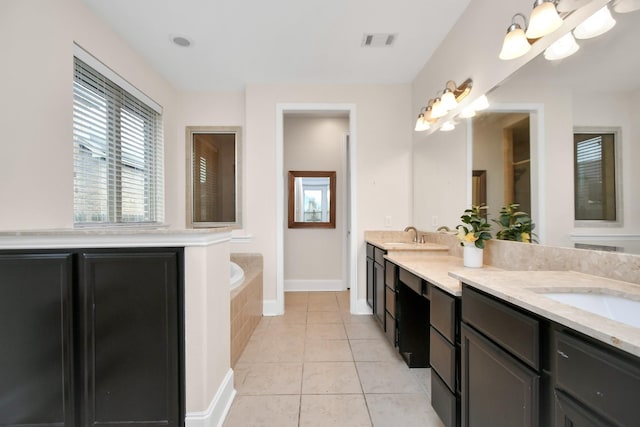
<point x="387" y="221"/>
<point x="434" y="220"/>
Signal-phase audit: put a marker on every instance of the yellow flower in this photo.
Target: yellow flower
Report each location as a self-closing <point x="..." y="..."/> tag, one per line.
<point x="461" y="233"/>
<point x="470" y="237"/>
<point x="525" y="237"/>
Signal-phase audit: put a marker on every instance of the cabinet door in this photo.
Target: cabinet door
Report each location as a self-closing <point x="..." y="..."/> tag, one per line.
<point x="571" y="414"/>
<point x="370" y="279"/>
<point x="497" y="389"/>
<point x="378" y="285"/>
<point x="35" y="360"/>
<point x="130" y="338"/>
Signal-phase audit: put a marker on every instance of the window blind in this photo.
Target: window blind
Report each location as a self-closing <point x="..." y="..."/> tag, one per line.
<point x="118" y="153"/>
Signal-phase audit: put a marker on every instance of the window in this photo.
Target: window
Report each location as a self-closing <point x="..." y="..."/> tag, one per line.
<point x="118" y="160"/>
<point x="596" y="180"/>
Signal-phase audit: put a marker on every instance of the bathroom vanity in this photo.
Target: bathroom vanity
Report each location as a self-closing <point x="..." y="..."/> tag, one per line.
<point x="94" y="325"/>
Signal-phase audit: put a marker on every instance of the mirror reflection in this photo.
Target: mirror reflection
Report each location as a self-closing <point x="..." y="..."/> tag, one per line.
<point x="213" y="179"/>
<point x="310" y="199"/>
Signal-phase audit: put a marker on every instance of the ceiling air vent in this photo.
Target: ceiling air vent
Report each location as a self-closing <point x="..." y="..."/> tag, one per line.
<point x="378" y="40"/>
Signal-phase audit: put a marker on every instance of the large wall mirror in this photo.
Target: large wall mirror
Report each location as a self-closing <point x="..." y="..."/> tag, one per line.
<point x="214" y="176"/>
<point x="312" y="199"/>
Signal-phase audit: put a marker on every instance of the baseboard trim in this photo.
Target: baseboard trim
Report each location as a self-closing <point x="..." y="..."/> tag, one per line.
<point x="270" y="307"/>
<point x="218" y="408"/>
<point x="362" y="307"/>
<point x="313" y="285"/>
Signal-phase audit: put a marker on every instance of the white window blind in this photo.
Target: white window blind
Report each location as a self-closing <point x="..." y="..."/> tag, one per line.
<point x="118" y="156"/>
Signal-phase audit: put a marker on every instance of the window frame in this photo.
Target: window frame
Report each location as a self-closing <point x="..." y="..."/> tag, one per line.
<point x="120" y="98"/>
<point x="617" y="159"/>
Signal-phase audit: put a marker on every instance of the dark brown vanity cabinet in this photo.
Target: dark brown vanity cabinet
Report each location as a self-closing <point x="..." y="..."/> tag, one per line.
<point x="500" y="364"/>
<point x="91" y="337"/>
<point x="390" y="298"/>
<point x="412" y="308"/>
<point x="375" y="282"/>
<point x="445" y="356"/>
<point x="594" y="384"/>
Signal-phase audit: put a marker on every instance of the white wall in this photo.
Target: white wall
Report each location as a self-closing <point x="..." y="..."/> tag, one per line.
<point x="314" y="258"/>
<point x="383" y="162"/>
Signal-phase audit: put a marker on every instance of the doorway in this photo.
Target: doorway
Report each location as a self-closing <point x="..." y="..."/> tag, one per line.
<point x="349" y="254"/>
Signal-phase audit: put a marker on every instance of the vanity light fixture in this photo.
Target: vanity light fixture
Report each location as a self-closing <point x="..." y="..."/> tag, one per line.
<point x="438" y="109"/>
<point x="481" y="103"/>
<point x="515" y="42"/>
<point x="544" y="19"/>
<point x="626" y="6"/>
<point x="421" y="123"/>
<point x="467" y="113"/>
<point x="563" y="47"/>
<point x="570" y="5"/>
<point x="595" y="25"/>
<point x="448" y="99"/>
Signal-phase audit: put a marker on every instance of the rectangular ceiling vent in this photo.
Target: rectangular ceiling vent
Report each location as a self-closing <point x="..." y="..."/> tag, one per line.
<point x="378" y="40"/>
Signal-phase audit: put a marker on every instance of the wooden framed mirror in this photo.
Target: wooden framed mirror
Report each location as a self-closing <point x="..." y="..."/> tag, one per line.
<point x="312" y="199"/>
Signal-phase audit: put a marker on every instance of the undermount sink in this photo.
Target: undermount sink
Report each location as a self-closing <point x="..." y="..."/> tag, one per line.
<point x="612" y="307"/>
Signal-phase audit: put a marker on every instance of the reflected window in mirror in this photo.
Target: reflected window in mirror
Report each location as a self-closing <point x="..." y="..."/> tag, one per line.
<point x="213" y="176"/>
<point x="311" y="199"/>
<point x="596" y="177"/>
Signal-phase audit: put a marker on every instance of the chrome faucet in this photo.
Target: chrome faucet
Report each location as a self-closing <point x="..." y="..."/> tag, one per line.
<point x="415" y="233"/>
<point x="443" y="228"/>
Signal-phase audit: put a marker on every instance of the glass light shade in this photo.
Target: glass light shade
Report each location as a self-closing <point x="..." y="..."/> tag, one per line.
<point x="626" y="6"/>
<point x="515" y="43"/>
<point x="563" y="47"/>
<point x="448" y="100"/>
<point x="481" y="103"/>
<point x="421" y="124"/>
<point x="544" y="20"/>
<point x="438" y="110"/>
<point x="595" y="25"/>
<point x="447" y="126"/>
<point x="467" y="113"/>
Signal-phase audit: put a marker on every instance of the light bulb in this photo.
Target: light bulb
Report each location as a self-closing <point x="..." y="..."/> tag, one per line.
<point x="447" y="126"/>
<point x="438" y="110"/>
<point x="544" y="19"/>
<point x="467" y="113"/>
<point x="421" y="124"/>
<point x="481" y="103"/>
<point x="448" y="100"/>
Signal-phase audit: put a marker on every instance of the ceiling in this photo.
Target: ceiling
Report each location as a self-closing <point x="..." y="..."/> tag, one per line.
<point x="240" y="42"/>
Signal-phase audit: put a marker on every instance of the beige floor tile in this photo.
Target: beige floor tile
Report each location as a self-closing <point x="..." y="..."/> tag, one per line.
<point x="323" y="296"/>
<point x="423" y="378"/>
<point x="327" y="351"/>
<point x="406" y="410"/>
<point x="324" y="317"/>
<point x="337" y="410"/>
<point x="364" y="331"/>
<point x="347" y="317"/>
<point x="330" y="378"/>
<point x="285" y="330"/>
<point x="251" y="352"/>
<point x="264" y="411"/>
<point x="295" y="306"/>
<point x="282" y="349"/>
<point x="326" y="331"/>
<point x="290" y="317"/>
<point x="323" y="306"/>
<point x="296" y="297"/>
<point x="268" y="378"/>
<point x="387" y="377"/>
<point x="374" y="351"/>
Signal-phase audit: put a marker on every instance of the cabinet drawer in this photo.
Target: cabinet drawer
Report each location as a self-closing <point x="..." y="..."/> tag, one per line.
<point x="443" y="358"/>
<point x="517" y="332"/>
<point x="378" y="255"/>
<point x="443" y="314"/>
<point x="444" y="402"/>
<point x="390" y="332"/>
<point x="370" y="250"/>
<point x="411" y="280"/>
<point x="390" y="301"/>
<point x="390" y="275"/>
<point x="604" y="381"/>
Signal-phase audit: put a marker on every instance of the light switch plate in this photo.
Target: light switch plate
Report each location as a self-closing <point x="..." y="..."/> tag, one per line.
<point x="387" y="221"/>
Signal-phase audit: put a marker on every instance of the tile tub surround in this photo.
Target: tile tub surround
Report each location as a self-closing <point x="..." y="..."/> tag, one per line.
<point x="525" y="289"/>
<point x="246" y="303"/>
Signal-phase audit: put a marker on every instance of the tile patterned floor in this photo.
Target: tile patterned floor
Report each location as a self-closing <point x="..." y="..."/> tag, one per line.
<point x="318" y="365"/>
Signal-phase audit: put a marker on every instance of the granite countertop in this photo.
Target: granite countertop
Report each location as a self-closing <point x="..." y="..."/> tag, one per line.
<point x="435" y="269"/>
<point x="525" y="289"/>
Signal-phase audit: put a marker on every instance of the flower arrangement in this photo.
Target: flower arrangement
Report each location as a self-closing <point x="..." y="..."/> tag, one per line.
<point x="515" y="225"/>
<point x="475" y="228"/>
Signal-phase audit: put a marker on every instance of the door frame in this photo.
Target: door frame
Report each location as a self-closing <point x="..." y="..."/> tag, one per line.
<point x="351" y="258"/>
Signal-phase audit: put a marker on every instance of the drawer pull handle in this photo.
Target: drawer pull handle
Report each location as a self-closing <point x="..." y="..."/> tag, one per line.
<point x="599" y="394"/>
<point x="563" y="354"/>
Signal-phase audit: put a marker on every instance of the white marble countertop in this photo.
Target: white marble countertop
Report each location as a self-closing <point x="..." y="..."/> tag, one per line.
<point x="111" y="238"/>
<point x="401" y="241"/>
<point x="525" y="289"/>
